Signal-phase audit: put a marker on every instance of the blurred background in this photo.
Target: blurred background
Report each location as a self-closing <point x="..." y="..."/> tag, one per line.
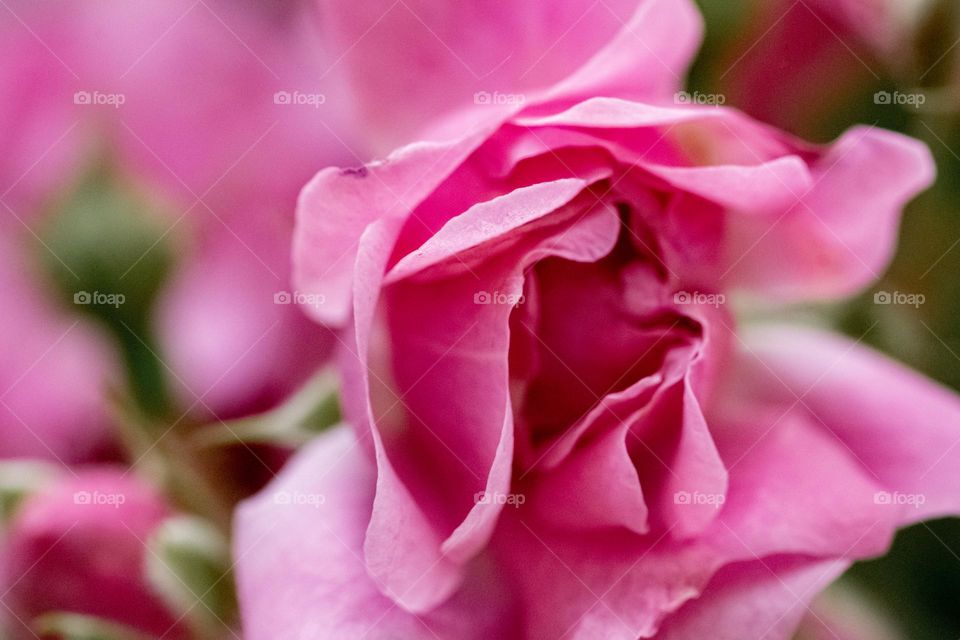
<point x="814" y="68"/>
<point x="150" y="159"/>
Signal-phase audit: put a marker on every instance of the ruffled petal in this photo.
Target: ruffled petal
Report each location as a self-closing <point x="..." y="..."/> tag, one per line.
<point x="300" y="562"/>
<point x="903" y="429"/>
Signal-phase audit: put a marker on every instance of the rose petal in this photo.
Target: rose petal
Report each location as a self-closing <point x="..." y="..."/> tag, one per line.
<point x="465" y="357"/>
<point x="337" y="206"/>
<point x="477" y="52"/>
<point x="868" y="402"/>
<point x="768" y="598"/>
<point x="293" y="585"/>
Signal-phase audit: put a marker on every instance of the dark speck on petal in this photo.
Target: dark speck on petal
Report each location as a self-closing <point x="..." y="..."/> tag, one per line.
<point x="356" y="172"/>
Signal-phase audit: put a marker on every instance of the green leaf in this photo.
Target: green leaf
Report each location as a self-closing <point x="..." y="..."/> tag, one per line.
<point x="18" y="480"/>
<point x="314" y="408"/>
<point x="189" y="566"/>
<point x="73" y="626"/>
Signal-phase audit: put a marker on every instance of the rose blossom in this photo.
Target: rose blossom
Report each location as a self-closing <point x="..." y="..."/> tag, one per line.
<point x="183" y="101"/>
<point x="54" y="373"/>
<point x="557" y="429"/>
<point x="78" y="546"/>
<point x="791" y="50"/>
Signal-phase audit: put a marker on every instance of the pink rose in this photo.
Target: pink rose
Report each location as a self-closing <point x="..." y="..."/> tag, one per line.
<point x="80" y="546"/>
<point x="54" y="373"/>
<point x="206" y="118"/>
<point x="231" y="325"/>
<point x="219" y="111"/>
<point x="415" y="66"/>
<point x="558" y="430"/>
<point x="38" y="127"/>
<point x="185" y="96"/>
<point x="882" y="25"/>
<point x="791" y="50"/>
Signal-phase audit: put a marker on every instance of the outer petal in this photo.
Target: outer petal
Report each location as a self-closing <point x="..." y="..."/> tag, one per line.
<point x="826" y="246"/>
<point x="761" y="599"/>
<point x="299" y="554"/>
<point x="398" y="54"/>
<point x="338" y="205"/>
<point x="902" y="428"/>
<point x="789" y="231"/>
<point x="794" y="492"/>
<point x="449" y="360"/>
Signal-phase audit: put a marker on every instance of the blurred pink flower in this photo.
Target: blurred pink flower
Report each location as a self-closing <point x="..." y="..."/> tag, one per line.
<point x="411" y="64"/>
<point x="79" y="546"/>
<point x="231" y="325"/>
<point x="38" y="130"/>
<point x="882" y="25"/>
<point x="220" y="111"/>
<point x="54" y="375"/>
<point x="557" y="430"/>
<point x="247" y="137"/>
<point x="792" y="50"/>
